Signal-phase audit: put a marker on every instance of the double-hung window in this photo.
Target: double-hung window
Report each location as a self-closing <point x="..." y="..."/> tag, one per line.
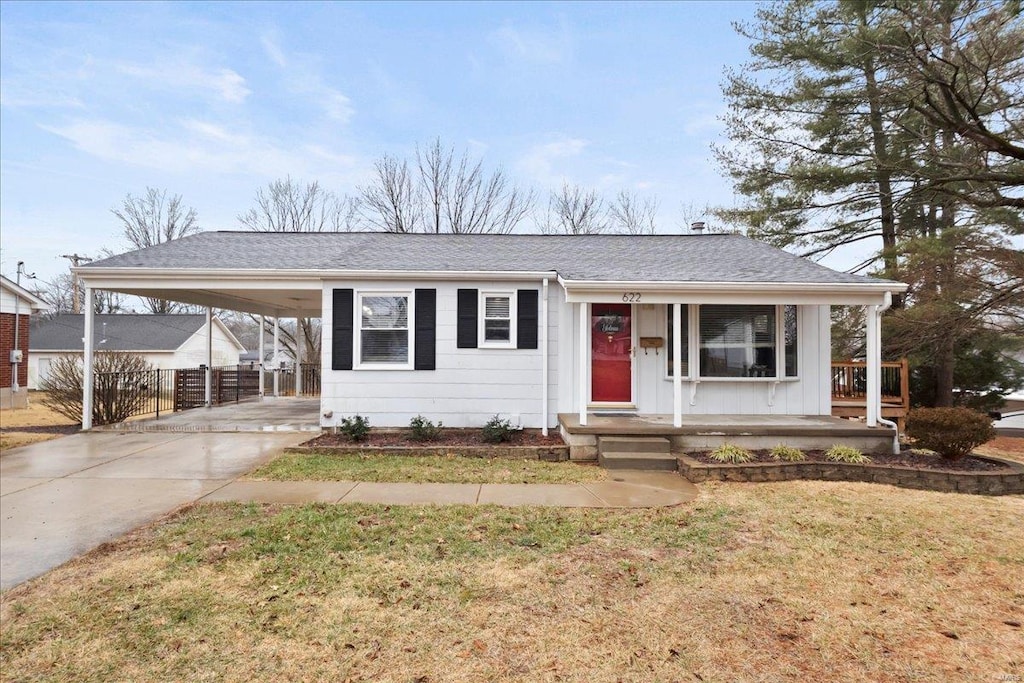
<point x="497" y="319"/>
<point x="384" y="324"/>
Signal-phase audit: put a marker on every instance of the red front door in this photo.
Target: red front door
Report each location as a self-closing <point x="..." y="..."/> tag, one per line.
<point x="611" y="363"/>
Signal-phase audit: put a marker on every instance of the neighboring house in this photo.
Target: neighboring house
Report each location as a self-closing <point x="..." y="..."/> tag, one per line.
<point x="166" y="341"/>
<point x="17" y="305"/>
<point x="458" y="328"/>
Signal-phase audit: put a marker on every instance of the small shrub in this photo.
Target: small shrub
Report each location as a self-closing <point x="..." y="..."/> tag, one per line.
<point x="355" y="428"/>
<point x="950" y="432"/>
<point x="497" y="430"/>
<point x="730" y="453"/>
<point x="787" y="453"/>
<point x="846" y="454"/>
<point x="423" y="429"/>
<point x="122" y="386"/>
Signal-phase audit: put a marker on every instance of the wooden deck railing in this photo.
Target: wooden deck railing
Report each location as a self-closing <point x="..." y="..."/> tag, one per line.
<point x="849" y="389"/>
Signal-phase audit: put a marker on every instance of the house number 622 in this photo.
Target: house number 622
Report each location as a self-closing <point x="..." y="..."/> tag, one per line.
<point x="631" y="297"/>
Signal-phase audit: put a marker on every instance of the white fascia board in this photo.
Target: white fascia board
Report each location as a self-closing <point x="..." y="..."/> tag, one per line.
<point x="856" y="293"/>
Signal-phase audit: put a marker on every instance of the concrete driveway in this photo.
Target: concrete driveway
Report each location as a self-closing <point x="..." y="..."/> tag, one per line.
<point x="61" y="498"/>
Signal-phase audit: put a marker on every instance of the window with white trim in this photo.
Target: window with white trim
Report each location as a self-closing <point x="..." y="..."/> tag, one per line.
<point x="384" y="324"/>
<point x="738" y="341"/>
<point x="497" y="319"/>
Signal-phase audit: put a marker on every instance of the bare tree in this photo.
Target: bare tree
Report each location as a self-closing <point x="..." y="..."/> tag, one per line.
<point x="288" y="206"/>
<point x="154" y="219"/>
<point x="575" y="211"/>
<point x="443" y="192"/>
<point x="632" y="215"/>
<point x="61" y="293"/>
<point x="391" y="203"/>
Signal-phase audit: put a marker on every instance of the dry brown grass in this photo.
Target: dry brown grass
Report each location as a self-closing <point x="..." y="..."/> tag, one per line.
<point x="798" y="581"/>
<point x="1009" y="447"/>
<point x="13" y="423"/>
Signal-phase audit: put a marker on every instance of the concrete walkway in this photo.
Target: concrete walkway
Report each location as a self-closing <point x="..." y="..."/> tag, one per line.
<point x="62" y="498"/>
<point x="626" y="489"/>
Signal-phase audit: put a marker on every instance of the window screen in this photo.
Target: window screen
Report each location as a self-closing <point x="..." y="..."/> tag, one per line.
<point x="384" y="329"/>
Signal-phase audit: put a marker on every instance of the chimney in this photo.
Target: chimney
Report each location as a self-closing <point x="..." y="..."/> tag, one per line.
<point x="697" y="228"/>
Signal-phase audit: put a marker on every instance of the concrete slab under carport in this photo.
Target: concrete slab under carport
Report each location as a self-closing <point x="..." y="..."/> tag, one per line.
<point x="265" y="415"/>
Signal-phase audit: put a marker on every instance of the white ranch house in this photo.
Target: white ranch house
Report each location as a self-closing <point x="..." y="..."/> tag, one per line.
<point x="547" y="331"/>
<point x="171" y="341"/>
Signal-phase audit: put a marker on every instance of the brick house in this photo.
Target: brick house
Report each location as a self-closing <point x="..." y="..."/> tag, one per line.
<point x="16" y="307"/>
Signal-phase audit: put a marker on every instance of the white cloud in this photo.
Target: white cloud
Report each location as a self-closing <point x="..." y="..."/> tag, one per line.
<point x="301" y="77"/>
<point x="539" y="162"/>
<point x="534" y="45"/>
<point x="226" y="84"/>
<point x="200" y="146"/>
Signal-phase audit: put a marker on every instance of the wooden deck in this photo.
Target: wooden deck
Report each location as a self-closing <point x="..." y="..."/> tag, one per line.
<point x="849" y="384"/>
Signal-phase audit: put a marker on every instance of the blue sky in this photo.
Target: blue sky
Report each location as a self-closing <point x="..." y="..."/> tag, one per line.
<point x="212" y="101"/>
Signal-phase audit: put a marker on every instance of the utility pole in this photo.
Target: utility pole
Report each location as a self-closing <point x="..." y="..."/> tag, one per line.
<point x="75" y="260"/>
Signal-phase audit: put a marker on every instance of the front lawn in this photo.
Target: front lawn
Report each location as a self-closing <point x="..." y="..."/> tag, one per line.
<point x="438" y="469"/>
<point x="796" y="581"/>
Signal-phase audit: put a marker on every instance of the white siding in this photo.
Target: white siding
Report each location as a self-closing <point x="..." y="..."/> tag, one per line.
<point x="468" y="387"/>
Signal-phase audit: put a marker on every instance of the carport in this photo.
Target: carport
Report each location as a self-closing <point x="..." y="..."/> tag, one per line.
<point x="266" y="292"/>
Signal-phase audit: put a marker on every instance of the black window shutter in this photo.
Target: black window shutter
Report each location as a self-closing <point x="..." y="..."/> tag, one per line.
<point x="526" y="319"/>
<point x="341" y="330"/>
<point x="465" y="334"/>
<point x="426" y="325"/>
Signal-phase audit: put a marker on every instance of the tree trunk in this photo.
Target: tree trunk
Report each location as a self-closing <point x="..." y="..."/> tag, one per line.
<point x="945" y="363"/>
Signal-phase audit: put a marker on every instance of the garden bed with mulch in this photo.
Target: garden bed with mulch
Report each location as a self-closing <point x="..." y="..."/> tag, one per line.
<point x="973" y="474"/>
<point x="527" y="443"/>
<point x="906" y="458"/>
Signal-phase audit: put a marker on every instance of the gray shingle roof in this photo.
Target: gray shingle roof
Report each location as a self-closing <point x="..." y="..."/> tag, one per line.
<point x="609" y="258"/>
<point x="122" y="331"/>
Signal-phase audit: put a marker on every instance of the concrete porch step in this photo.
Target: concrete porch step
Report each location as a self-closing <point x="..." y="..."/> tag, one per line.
<point x="633" y="444"/>
<point x="663" y="462"/>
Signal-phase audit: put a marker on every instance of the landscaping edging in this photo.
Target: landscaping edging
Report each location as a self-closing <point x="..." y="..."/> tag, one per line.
<point x="545" y="453"/>
<point x="999" y="483"/>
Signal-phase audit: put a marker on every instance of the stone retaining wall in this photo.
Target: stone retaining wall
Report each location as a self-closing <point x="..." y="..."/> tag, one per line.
<point x="997" y="483"/>
<point x="545" y="453"/>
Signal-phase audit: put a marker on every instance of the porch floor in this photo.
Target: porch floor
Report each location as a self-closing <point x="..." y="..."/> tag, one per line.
<point x="728" y="425"/>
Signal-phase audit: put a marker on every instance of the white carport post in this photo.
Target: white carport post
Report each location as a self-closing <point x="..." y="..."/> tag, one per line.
<point x="873" y="398"/>
<point x="544" y="357"/>
<point x="263" y="346"/>
<point x="298" y="357"/>
<point x="584" y="340"/>
<point x="277" y="349"/>
<point x="209" y="357"/>
<point x="677" y="355"/>
<point x="88" y="348"/>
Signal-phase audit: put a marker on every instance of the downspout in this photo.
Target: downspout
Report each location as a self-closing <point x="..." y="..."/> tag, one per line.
<point x="544" y="356"/>
<point x="879" y="310"/>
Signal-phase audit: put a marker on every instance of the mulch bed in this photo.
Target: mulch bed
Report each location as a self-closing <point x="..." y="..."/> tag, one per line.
<point x="906" y="458"/>
<point x="448" y="437"/>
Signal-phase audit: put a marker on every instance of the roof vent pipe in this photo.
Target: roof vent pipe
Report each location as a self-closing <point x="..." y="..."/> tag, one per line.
<point x="697" y="228"/>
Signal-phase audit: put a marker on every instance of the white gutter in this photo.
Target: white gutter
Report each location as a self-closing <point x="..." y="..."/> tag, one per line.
<point x="703" y="286"/>
<point x="879" y="310"/>
<point x="318" y="274"/>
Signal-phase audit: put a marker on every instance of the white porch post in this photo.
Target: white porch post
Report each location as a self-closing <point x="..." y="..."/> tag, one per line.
<point x="677" y="355"/>
<point x="88" y="348"/>
<point x="873" y="398"/>
<point x="583" y="353"/>
<point x="544" y="357"/>
<point x="298" y="357"/>
<point x="209" y="357"/>
<point x="277" y="349"/>
<point x="263" y="346"/>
